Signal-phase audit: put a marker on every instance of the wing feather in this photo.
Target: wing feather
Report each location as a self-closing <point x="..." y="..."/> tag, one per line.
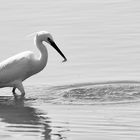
<point x="15" y="67"/>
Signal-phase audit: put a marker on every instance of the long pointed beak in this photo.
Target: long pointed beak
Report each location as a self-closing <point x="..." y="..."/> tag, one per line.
<point x="52" y="43"/>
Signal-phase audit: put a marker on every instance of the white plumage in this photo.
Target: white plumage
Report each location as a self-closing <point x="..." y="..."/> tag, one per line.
<point x="14" y="70"/>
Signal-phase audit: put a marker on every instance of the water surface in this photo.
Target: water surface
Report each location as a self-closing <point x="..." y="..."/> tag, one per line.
<point x="100" y="38"/>
<point x="96" y="94"/>
<point x="79" y="111"/>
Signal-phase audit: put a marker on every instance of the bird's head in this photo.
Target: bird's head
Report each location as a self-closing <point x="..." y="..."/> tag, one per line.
<point x="47" y="37"/>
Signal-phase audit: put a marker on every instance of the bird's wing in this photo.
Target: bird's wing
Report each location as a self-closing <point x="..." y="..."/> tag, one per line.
<point x="15" y="67"/>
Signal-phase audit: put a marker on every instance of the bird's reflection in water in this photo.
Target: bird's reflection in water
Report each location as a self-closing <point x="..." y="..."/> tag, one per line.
<point x="22" y="119"/>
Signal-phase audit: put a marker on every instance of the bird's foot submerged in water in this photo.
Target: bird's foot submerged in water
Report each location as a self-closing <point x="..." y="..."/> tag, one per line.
<point x="16" y="96"/>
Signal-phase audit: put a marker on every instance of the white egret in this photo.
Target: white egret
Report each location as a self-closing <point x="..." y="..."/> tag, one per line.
<point x="14" y="70"/>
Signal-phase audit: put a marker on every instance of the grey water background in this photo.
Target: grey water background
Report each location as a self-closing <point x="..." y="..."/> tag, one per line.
<point x="99" y="38"/>
<point x="96" y="94"/>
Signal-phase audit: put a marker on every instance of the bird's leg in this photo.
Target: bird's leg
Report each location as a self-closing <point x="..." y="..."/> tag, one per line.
<point x="20" y="87"/>
<point x="14" y="93"/>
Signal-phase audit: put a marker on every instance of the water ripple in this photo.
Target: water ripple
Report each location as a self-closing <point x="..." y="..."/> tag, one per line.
<point x="89" y="93"/>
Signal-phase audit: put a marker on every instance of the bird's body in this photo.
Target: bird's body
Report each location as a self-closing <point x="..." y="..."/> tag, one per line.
<point x="14" y="70"/>
<point x="18" y="67"/>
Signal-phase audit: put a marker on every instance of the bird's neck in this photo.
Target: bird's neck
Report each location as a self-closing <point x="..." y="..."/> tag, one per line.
<point x="43" y="57"/>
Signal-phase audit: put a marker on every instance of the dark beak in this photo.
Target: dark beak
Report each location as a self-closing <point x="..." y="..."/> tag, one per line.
<point x="52" y="43"/>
